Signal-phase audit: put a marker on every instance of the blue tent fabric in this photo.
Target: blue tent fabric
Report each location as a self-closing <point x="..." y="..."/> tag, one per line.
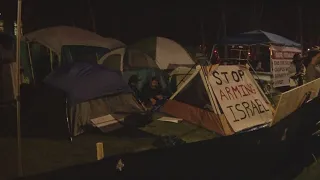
<point x="258" y="36"/>
<point x="82" y="81"/>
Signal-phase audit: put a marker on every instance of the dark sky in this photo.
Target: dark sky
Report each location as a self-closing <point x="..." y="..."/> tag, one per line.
<point x="130" y="21"/>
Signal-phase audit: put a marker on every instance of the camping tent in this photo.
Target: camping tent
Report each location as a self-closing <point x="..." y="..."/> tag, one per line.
<point x="56" y="37"/>
<point x="178" y="76"/>
<point x="167" y="53"/>
<point x="50" y="47"/>
<point x="7" y="68"/>
<point x="130" y="62"/>
<point x="123" y="59"/>
<point x="88" y="91"/>
<point x="223" y="99"/>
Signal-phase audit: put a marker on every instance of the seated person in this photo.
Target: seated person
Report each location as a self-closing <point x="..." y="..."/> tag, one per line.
<point x="152" y="92"/>
<point x="259" y="66"/>
<point x="133" y="84"/>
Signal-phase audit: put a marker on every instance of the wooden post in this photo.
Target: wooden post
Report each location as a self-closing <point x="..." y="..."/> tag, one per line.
<point x="18" y="82"/>
<point x="100" y="151"/>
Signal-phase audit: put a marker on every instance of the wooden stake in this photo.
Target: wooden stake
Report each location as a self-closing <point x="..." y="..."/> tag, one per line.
<point x="100" y="151"/>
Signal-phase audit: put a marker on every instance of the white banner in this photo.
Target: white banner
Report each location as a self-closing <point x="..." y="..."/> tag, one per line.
<point x="239" y="98"/>
<point x="281" y="58"/>
<point x="281" y="75"/>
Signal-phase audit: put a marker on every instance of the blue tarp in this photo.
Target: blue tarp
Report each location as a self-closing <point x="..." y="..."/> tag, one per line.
<point x="82" y="81"/>
<point x="257" y="37"/>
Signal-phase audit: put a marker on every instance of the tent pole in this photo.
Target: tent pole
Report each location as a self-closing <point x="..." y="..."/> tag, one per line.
<point x="20" y="172"/>
<point x="31" y="63"/>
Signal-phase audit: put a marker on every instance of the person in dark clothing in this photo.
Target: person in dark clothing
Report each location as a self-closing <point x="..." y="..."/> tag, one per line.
<point x="313" y="69"/>
<point x="133" y="83"/>
<point x="152" y="92"/>
<point x="300" y="68"/>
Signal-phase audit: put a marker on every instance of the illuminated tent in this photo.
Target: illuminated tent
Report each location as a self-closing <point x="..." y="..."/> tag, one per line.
<point x="130" y="62"/>
<point x="167" y="53"/>
<point x="57" y="37"/>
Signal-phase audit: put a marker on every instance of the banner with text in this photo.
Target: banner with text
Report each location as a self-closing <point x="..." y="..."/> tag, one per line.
<point x="281" y="58"/>
<point x="239" y="98"/>
<point x="281" y="76"/>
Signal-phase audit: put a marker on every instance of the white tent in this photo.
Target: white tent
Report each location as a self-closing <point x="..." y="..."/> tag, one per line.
<point x="167" y="53"/>
<point x="56" y="37"/>
<point x="126" y="58"/>
<point x="224" y="99"/>
<point x="130" y="62"/>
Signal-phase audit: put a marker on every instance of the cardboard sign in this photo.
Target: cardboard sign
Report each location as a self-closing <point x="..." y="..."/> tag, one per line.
<point x="239" y="98"/>
<point x="291" y="100"/>
<point x="281" y="76"/>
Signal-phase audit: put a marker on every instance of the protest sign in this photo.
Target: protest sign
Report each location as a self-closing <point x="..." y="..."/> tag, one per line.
<point x="281" y="76"/>
<point x="239" y="97"/>
<point x="281" y="58"/>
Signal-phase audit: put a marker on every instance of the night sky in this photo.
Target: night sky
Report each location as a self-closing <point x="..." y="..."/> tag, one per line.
<point x="130" y="21"/>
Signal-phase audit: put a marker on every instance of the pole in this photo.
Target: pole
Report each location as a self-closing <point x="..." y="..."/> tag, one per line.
<point x="224" y="26"/>
<point x="20" y="172"/>
<point x="300" y="26"/>
<point x="92" y="16"/>
<point x="203" y="39"/>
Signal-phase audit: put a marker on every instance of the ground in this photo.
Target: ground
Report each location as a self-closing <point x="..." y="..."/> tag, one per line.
<point x="43" y="154"/>
<point x="310" y="173"/>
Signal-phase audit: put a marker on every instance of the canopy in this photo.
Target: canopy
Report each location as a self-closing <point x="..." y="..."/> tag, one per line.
<point x="83" y="81"/>
<point x="259" y="36"/>
<point x="58" y="36"/>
